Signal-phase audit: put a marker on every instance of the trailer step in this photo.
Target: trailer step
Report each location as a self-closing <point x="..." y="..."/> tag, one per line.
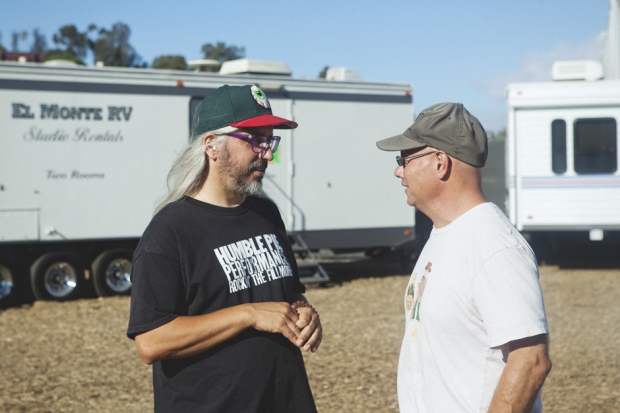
<point x="310" y="270"/>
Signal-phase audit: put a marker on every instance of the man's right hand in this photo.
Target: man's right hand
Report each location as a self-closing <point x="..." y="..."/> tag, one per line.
<point x="186" y="336"/>
<point x="274" y="317"/>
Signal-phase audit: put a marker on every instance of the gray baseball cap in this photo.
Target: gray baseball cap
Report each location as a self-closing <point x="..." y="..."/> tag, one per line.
<point x="446" y="126"/>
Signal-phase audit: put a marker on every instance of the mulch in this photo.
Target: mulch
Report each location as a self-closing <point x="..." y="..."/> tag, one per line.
<point x="74" y="356"/>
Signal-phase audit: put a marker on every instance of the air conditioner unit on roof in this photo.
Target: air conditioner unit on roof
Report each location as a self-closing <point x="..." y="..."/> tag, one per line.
<point x="342" y="74"/>
<point x="577" y="70"/>
<point x="254" y="67"/>
<point x="204" y="65"/>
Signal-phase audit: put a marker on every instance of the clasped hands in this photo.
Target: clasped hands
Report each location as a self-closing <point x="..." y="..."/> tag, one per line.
<point x="299" y="324"/>
<point x="310" y="324"/>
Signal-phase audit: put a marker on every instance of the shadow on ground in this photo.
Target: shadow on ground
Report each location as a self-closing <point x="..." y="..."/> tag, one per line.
<point x="579" y="255"/>
<point x="353" y="266"/>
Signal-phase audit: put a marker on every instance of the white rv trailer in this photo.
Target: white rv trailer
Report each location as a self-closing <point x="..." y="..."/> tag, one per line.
<point x="562" y="157"/>
<point x="84" y="154"/>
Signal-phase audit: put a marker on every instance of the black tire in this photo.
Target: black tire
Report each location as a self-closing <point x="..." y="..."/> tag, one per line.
<point x="111" y="271"/>
<point x="57" y="276"/>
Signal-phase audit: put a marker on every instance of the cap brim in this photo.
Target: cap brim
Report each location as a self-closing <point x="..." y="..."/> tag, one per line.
<point x="265" y="120"/>
<point x="399" y="143"/>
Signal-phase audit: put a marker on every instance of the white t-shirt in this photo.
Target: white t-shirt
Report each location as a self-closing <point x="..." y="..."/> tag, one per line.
<point x="474" y="288"/>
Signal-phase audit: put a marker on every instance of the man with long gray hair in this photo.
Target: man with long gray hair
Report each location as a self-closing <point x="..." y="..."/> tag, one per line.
<point x="216" y="303"/>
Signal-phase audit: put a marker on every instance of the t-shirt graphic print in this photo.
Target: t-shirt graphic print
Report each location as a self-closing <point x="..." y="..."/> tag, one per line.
<point x="413" y="303"/>
<point x="257" y="259"/>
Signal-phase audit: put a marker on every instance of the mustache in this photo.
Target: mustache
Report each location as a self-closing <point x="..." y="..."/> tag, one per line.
<point x="259" y="165"/>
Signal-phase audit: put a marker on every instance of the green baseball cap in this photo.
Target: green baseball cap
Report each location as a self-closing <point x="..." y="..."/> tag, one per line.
<point x="446" y="126"/>
<point x="237" y="106"/>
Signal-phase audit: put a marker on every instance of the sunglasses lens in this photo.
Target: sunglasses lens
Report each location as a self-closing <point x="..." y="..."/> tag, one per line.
<point x="263" y="143"/>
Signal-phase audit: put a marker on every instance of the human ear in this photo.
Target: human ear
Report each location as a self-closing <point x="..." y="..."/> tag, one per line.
<point x="207" y="140"/>
<point x="443" y="165"/>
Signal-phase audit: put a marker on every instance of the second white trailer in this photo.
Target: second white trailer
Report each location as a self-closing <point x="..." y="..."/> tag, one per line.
<point x="562" y="160"/>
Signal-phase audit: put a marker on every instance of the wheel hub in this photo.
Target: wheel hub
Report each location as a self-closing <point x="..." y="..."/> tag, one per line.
<point x="6" y="282"/>
<point x="118" y="275"/>
<point x="60" y="279"/>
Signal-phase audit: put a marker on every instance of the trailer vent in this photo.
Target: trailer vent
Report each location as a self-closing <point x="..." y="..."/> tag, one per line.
<point x="342" y="74"/>
<point x="204" y="65"/>
<point x="589" y="70"/>
<point x="60" y="63"/>
<point x="254" y="67"/>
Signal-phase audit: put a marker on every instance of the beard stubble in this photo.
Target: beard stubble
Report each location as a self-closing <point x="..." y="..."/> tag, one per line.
<point x="238" y="179"/>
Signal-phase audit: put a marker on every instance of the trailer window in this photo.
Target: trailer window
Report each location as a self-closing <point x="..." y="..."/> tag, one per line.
<point x="595" y="146"/>
<point x="558" y="146"/>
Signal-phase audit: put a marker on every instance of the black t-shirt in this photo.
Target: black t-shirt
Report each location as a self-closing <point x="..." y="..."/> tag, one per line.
<point x="195" y="258"/>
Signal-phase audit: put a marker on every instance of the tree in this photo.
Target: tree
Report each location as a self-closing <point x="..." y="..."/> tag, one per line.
<point x="16" y="38"/>
<point x="39" y="44"/>
<point x="323" y="73"/>
<point x="497" y="136"/>
<point x="63" y="55"/>
<point x="72" y="41"/>
<point x="71" y="44"/>
<point x="113" y="48"/>
<point x="173" y="62"/>
<point x="2" y="49"/>
<point x="221" y="52"/>
<point x="501" y="135"/>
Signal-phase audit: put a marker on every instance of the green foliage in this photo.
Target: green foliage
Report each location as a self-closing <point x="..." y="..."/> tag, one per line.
<point x="323" y="73"/>
<point x="63" y="55"/>
<point x="113" y="49"/>
<point x="501" y="135"/>
<point x="16" y="38"/>
<point x="221" y="52"/>
<point x="71" y="40"/>
<point x="39" y="44"/>
<point x="172" y="62"/>
<point x="2" y="49"/>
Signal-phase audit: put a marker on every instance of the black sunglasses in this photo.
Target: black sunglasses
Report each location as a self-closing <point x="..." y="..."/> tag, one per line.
<point x="403" y="161"/>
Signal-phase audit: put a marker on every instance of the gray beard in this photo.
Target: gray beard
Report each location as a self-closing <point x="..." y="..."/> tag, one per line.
<point x="237" y="180"/>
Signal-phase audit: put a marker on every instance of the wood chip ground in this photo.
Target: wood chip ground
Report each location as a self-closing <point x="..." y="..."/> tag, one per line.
<point x="74" y="356"/>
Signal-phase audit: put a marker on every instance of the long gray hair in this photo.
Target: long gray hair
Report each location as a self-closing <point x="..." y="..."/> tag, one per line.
<point x="191" y="167"/>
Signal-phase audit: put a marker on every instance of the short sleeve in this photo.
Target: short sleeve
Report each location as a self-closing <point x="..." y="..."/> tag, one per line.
<point x="157" y="293"/>
<point x="509" y="298"/>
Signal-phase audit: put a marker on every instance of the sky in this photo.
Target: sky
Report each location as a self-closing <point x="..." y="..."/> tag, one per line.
<point x="449" y="50"/>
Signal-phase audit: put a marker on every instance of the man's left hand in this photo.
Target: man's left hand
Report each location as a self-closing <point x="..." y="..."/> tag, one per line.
<point x="311" y="330"/>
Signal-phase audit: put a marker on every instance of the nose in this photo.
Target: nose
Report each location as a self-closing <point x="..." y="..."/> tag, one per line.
<point x="398" y="172"/>
<point x="266" y="154"/>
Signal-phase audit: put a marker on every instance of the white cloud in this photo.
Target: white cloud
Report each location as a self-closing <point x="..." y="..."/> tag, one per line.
<point x="537" y="66"/>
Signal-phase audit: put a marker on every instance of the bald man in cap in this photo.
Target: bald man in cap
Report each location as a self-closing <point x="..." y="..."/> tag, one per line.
<point x="476" y="330"/>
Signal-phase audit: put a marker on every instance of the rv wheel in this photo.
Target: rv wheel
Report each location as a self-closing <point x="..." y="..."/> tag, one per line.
<point x="56" y="276"/>
<point x="111" y="273"/>
<point x="13" y="283"/>
<point x="7" y="283"/>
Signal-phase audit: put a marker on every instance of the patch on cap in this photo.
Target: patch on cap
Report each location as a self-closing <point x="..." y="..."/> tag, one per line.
<point x="260" y="97"/>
